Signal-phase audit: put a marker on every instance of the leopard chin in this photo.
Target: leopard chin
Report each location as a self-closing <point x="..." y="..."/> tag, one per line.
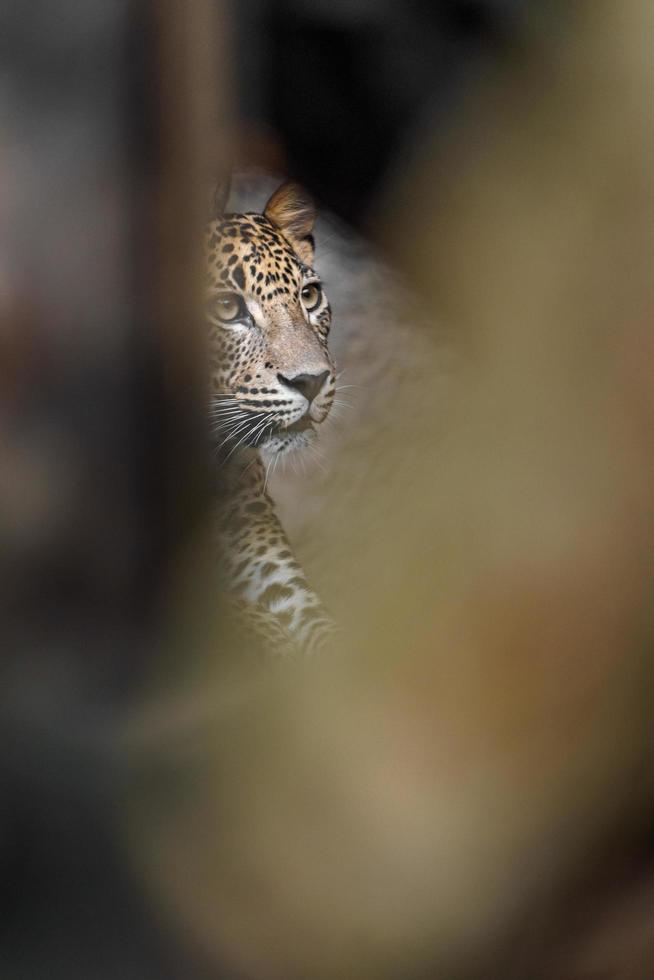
<point x="288" y="441"/>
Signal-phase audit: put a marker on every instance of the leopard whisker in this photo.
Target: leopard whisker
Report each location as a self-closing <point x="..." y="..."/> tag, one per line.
<point x="243" y="417"/>
<point x="217" y="420"/>
<point x="235" y="429"/>
<point x="277" y="458"/>
<point x="317" y="457"/>
<point x="260" y="428"/>
<point x="333" y="420"/>
<point x="248" y="466"/>
<point x="223" y="402"/>
<point x="248" y="433"/>
<point x="271" y="462"/>
<point x="336" y="415"/>
<point x="228" y="413"/>
<point x="220" y="403"/>
<point x="227" y="409"/>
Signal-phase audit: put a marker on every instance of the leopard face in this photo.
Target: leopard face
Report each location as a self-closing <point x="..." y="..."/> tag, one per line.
<point x="272" y="375"/>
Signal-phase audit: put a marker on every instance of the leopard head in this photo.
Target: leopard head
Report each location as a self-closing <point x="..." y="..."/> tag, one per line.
<point x="272" y="375"/>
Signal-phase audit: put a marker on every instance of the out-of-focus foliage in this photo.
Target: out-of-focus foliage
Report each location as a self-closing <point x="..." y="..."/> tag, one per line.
<point x="437" y="796"/>
<point x="418" y="804"/>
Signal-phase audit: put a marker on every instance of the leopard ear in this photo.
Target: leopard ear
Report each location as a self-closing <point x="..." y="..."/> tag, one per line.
<point x="292" y="210"/>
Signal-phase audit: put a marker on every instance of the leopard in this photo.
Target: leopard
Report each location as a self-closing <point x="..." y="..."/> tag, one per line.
<point x="272" y="384"/>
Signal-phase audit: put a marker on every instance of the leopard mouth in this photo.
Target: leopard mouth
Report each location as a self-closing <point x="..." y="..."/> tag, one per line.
<point x="280" y="431"/>
<point x="302" y="425"/>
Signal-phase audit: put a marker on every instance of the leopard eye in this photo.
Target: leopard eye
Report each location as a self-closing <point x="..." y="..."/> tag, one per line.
<point x="311" y="296"/>
<point x="227" y="307"/>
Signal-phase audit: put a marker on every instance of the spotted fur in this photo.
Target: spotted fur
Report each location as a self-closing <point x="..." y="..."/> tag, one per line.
<point x="272" y="381"/>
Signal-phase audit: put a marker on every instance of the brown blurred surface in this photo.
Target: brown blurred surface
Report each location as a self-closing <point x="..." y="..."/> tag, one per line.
<point x="102" y="470"/>
<point x="463" y="791"/>
<point x="438" y="801"/>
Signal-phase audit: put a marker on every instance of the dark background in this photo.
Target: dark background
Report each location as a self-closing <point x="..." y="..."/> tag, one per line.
<point x="347" y="88"/>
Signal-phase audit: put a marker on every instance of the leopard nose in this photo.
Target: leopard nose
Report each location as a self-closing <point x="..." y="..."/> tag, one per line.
<point x="308" y="385"/>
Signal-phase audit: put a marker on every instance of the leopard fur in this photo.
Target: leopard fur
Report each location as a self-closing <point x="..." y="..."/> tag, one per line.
<point x="272" y="382"/>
